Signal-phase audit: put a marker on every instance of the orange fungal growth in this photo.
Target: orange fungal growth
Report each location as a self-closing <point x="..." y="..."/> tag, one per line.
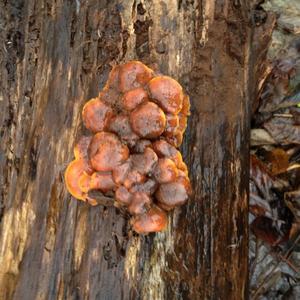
<point x="173" y="193"/>
<point x="133" y="74"/>
<point x="153" y="220"/>
<point x="167" y="92"/>
<point x="75" y="170"/>
<point x="107" y="151"/>
<point x="136" y="125"/>
<point x="133" y="98"/>
<point x="148" y="120"/>
<point x="165" y="171"/>
<point x="95" y="115"/>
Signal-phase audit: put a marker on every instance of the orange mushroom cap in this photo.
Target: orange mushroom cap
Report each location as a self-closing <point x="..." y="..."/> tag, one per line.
<point x="154" y="220"/>
<point x="165" y="149"/>
<point x="173" y="193"/>
<point x="148" y="120"/>
<point x="134" y="177"/>
<point x="172" y="123"/>
<point x="140" y="203"/>
<point x="165" y="170"/>
<point x="144" y="163"/>
<point x="120" y="172"/>
<point x="123" y="196"/>
<point x="149" y="187"/>
<point x="106" y="151"/>
<point x="120" y="125"/>
<point x="167" y="92"/>
<point x="96" y="114"/>
<point x="133" y="98"/>
<point x="133" y="74"/>
<point x="186" y="106"/>
<point x="73" y="173"/>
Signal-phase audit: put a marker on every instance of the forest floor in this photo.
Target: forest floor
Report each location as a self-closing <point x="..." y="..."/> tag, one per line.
<point x="275" y="163"/>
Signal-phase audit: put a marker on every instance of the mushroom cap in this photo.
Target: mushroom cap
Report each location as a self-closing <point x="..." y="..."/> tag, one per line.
<point x="172" y="124"/>
<point x="120" y="125"/>
<point x="175" y="139"/>
<point x="133" y="98"/>
<point x="148" y="120"/>
<point x="134" y="177"/>
<point x="144" y="163"/>
<point x="182" y="122"/>
<point x="141" y="146"/>
<point x="173" y="193"/>
<point x="73" y="173"/>
<point x="106" y="151"/>
<point x="165" y="149"/>
<point x="186" y="106"/>
<point x="102" y="181"/>
<point x="81" y="148"/>
<point x="96" y="114"/>
<point x="154" y="220"/>
<point x="120" y="172"/>
<point x="139" y="204"/>
<point x="167" y="92"/>
<point x="149" y="187"/>
<point x="123" y="196"/>
<point x="133" y="74"/>
<point x="165" y="170"/>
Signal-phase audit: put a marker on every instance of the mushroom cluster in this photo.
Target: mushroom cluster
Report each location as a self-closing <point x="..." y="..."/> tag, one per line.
<point x="137" y="122"/>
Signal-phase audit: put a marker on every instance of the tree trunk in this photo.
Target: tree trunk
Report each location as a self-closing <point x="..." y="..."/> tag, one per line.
<point x="55" y="55"/>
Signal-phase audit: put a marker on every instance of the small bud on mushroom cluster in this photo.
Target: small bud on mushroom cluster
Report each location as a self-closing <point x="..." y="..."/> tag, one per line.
<point x="137" y="122"/>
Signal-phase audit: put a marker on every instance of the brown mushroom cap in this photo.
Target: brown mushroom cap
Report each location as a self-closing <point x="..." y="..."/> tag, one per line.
<point x="121" y="126"/>
<point x="154" y="220"/>
<point x="167" y="92"/>
<point x="133" y="74"/>
<point x="148" y="120"/>
<point x="144" y="163"/>
<point x="74" y="171"/>
<point x="81" y="148"/>
<point x="149" y="187"/>
<point x="102" y="181"/>
<point x="96" y="114"/>
<point x="175" y="139"/>
<point x="172" y="123"/>
<point x="173" y="193"/>
<point x="141" y="146"/>
<point x="120" y="172"/>
<point x="123" y="196"/>
<point x="134" y="177"/>
<point x="133" y="98"/>
<point x="139" y="204"/>
<point x="106" y="151"/>
<point x="164" y="149"/>
<point x="165" y="170"/>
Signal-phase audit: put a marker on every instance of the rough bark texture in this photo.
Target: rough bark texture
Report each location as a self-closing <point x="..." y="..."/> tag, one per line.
<point x="57" y="54"/>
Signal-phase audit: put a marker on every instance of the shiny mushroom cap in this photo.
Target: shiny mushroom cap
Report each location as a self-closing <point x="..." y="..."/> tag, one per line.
<point x="167" y="92"/>
<point x="133" y="74"/>
<point x="154" y="220"/>
<point x="148" y="120"/>
<point x="96" y="114"/>
<point x="106" y="151"/>
<point x="174" y="193"/>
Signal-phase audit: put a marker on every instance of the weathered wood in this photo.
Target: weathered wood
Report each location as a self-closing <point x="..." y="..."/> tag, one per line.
<point x="57" y="54"/>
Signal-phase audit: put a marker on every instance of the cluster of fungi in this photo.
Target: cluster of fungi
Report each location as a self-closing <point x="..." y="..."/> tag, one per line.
<point x="137" y="122"/>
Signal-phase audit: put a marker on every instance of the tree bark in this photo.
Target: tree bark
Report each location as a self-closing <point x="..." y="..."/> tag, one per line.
<point x="55" y="55"/>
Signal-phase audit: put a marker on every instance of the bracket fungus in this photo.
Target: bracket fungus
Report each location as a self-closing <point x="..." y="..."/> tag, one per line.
<point x="136" y="123"/>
